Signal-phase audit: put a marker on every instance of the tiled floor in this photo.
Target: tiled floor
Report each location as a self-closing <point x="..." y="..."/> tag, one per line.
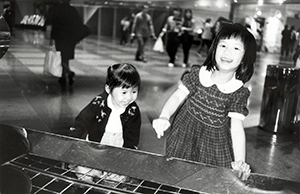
<point x="30" y="99"/>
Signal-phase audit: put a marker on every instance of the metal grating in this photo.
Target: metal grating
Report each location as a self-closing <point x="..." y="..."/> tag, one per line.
<point x="53" y="176"/>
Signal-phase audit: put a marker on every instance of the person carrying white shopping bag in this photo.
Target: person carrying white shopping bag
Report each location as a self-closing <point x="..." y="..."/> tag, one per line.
<point x="159" y="45"/>
<point x="52" y="64"/>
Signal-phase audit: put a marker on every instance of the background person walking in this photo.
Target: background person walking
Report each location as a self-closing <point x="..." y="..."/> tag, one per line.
<point x="187" y="37"/>
<point x="142" y="29"/>
<point x="206" y="36"/>
<point x="173" y="28"/>
<point x="285" y="41"/>
<point x="66" y="23"/>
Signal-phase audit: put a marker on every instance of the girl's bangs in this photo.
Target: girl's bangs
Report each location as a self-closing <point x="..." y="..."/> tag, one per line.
<point x="129" y="81"/>
<point x="230" y="35"/>
<point x="234" y="31"/>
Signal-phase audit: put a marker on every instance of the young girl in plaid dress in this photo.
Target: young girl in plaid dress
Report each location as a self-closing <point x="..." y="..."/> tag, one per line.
<point x="210" y="104"/>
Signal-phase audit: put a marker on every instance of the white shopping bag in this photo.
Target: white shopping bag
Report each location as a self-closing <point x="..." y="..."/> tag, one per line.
<point x="52" y="64"/>
<point x="158" y="45"/>
<point x="298" y="63"/>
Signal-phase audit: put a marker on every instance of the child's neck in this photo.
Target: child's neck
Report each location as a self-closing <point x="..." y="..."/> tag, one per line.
<point x="219" y="77"/>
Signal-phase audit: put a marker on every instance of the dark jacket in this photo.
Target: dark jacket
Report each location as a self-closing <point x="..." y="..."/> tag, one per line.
<point x="65" y="20"/>
<point x="93" y="118"/>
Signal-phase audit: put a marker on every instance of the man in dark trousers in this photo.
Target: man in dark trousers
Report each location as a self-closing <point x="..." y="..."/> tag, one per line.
<point x="142" y="29"/>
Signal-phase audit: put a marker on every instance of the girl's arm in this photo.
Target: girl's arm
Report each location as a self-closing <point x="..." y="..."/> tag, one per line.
<point x="162" y="123"/>
<point x="82" y="121"/>
<point x="238" y="139"/>
<point x="132" y="129"/>
<point x="239" y="148"/>
<point x="85" y="117"/>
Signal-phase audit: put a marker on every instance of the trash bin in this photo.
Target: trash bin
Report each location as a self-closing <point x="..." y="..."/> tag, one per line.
<point x="280" y="101"/>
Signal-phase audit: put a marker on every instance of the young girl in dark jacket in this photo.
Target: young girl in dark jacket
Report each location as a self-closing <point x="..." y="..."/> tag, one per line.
<point x="113" y="117"/>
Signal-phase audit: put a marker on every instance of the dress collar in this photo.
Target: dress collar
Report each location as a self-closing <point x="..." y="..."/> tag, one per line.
<point x="112" y="107"/>
<point x="227" y="88"/>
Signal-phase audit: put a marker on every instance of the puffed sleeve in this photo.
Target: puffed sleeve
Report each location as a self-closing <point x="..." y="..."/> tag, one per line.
<point x="190" y="79"/>
<point x="238" y="107"/>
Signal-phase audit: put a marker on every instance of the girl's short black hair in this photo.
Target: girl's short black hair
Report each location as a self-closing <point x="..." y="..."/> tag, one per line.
<point x="122" y="75"/>
<point x="245" y="70"/>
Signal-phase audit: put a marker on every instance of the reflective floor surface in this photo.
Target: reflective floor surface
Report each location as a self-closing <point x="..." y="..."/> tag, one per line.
<point x="30" y="99"/>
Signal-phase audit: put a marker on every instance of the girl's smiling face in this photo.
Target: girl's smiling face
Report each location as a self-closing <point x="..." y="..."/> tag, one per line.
<point x="229" y="54"/>
<point x="122" y="97"/>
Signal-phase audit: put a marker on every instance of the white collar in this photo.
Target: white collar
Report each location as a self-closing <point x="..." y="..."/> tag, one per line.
<point x="112" y="107"/>
<point x="227" y="88"/>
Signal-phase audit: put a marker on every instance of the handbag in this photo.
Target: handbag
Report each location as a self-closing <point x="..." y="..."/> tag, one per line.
<point x="52" y="64"/>
<point x="158" y="45"/>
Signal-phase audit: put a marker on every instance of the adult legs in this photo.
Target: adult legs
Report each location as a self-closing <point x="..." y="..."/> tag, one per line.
<point x="205" y="42"/>
<point x="172" y="46"/>
<point x="285" y="50"/>
<point x="186" y="46"/>
<point x="127" y="34"/>
<point x="123" y="38"/>
<point x="145" y="40"/>
<point x="66" y="72"/>
<point x="209" y="42"/>
<point x="186" y="50"/>
<point x="141" y="41"/>
<point x="67" y="49"/>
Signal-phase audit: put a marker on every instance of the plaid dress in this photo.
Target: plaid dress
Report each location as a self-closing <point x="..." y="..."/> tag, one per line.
<point x="201" y="127"/>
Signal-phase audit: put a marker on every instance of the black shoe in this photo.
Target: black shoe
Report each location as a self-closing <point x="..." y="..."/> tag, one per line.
<point x="141" y="59"/>
<point x="62" y="81"/>
<point x="71" y="78"/>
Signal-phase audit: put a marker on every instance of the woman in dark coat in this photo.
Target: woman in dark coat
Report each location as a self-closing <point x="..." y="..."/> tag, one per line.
<point x="65" y="19"/>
